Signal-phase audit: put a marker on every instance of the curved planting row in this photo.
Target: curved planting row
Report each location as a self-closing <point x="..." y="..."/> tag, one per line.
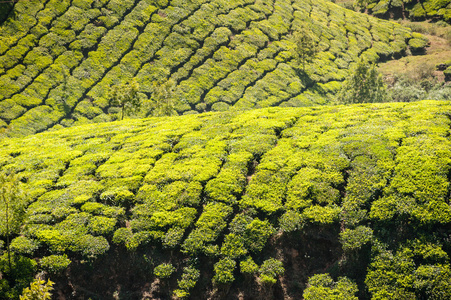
<point x="59" y="59"/>
<point x="415" y="10"/>
<point x="229" y="195"/>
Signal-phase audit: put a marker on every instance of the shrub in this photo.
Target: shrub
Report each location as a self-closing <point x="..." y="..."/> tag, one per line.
<point x="189" y="279"/>
<point x="248" y="266"/>
<point x="233" y="246"/>
<point x="38" y="290"/>
<point x="256" y="234"/>
<point x="164" y="270"/>
<point x="55" y="264"/>
<point x="23" y="245"/>
<point x="352" y="239"/>
<point x="322" y="286"/>
<point x="224" y="271"/>
<point x="270" y="270"/>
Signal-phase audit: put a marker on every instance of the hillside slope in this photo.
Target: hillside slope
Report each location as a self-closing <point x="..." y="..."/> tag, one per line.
<point x="58" y="59"/>
<point x="360" y="191"/>
<point x="412" y="9"/>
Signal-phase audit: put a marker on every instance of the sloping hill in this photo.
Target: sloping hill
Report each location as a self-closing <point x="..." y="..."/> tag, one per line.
<point x="412" y="9"/>
<point x="359" y="191"/>
<point x="58" y="59"/>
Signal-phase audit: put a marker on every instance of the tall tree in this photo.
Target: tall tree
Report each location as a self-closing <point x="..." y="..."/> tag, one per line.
<point x="365" y="85"/>
<point x="163" y="98"/>
<point x="12" y="208"/>
<point x="126" y="97"/>
<point x="306" y="45"/>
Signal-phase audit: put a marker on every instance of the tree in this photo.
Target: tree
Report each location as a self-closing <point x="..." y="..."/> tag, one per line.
<point x="306" y="46"/>
<point x="12" y="208"/>
<point x="163" y="98"/>
<point x="38" y="290"/>
<point x="126" y="97"/>
<point x="364" y="86"/>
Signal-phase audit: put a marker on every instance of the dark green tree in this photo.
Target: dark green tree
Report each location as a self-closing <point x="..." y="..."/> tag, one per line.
<point x="12" y="209"/>
<point x="126" y="97"/>
<point x="365" y="85"/>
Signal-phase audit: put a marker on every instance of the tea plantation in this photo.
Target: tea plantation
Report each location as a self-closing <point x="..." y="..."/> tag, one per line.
<point x="60" y="59"/>
<point x="353" y="200"/>
<point x="415" y="10"/>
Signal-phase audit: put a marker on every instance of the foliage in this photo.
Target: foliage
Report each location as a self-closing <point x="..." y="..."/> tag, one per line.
<point x="55" y="264"/>
<point x="189" y="279"/>
<point x="322" y="286"/>
<point x="61" y="62"/>
<point x="23" y="245"/>
<point x="429" y="9"/>
<point x="364" y="85"/>
<point x="270" y="270"/>
<point x="248" y="266"/>
<point x="164" y="270"/>
<point x="38" y="290"/>
<point x="12" y="208"/>
<point x="217" y="191"/>
<point x="126" y="97"/>
<point x="355" y="238"/>
<point x="224" y="271"/>
<point x="19" y="275"/>
<point x="163" y="98"/>
<point x="305" y="45"/>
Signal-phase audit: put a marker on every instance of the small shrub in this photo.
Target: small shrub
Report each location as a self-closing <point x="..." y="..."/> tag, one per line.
<point x="189" y="279"/>
<point x="23" y="245"/>
<point x="38" y="290"/>
<point x="248" y="266"/>
<point x="55" y="264"/>
<point x="322" y="286"/>
<point x="270" y="270"/>
<point x="164" y="270"/>
<point x="224" y="271"/>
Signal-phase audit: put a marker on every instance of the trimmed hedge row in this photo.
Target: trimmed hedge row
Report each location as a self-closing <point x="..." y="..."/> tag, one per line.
<point x="63" y="58"/>
<point x="220" y="186"/>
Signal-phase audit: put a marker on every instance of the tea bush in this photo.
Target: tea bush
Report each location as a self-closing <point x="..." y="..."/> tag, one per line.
<point x="59" y="60"/>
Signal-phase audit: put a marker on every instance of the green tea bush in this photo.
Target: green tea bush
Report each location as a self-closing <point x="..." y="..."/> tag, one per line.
<point x="270" y="270"/>
<point x="187" y="282"/>
<point x="164" y="270"/>
<point x="322" y="286"/>
<point x="23" y="245"/>
<point x="54" y="264"/>
<point x="219" y="56"/>
<point x="224" y="271"/>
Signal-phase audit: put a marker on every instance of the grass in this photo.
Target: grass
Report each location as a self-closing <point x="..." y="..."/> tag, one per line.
<point x="423" y="66"/>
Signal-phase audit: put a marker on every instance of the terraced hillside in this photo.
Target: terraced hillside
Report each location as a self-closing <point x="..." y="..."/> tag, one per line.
<point x="415" y="10"/>
<point x="58" y="59"/>
<point x="224" y="204"/>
